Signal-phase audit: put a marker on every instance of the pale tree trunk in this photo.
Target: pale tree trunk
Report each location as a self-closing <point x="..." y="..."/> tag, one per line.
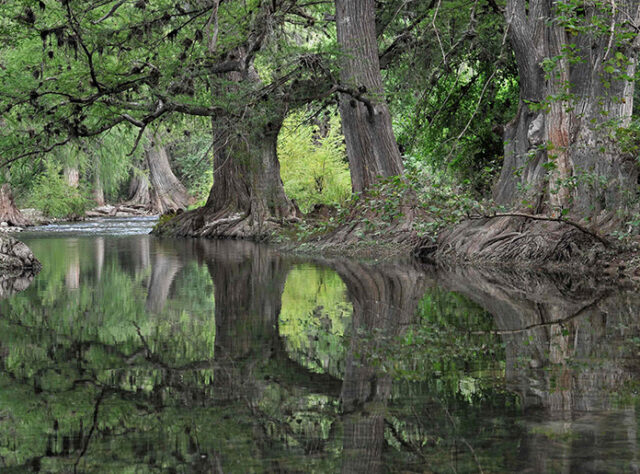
<point x="98" y="191"/>
<point x="168" y="193"/>
<point x="9" y="213"/>
<point x="371" y="145"/>
<point x="161" y="191"/>
<point x="139" y="190"/>
<point x="559" y="154"/>
<point x="72" y="176"/>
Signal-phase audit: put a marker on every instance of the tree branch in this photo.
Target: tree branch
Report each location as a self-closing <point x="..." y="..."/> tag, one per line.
<point x="581" y="228"/>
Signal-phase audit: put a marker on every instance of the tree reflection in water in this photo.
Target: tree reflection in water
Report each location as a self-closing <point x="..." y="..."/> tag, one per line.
<point x="146" y="354"/>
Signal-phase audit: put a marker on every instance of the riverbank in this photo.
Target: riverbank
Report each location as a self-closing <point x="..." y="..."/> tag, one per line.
<point x="530" y="243"/>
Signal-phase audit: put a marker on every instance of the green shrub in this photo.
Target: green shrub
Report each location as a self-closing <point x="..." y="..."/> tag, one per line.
<point x="55" y="198"/>
<point x="313" y="168"/>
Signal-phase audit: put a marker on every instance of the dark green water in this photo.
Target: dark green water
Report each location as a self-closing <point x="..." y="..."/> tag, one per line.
<point x="133" y="354"/>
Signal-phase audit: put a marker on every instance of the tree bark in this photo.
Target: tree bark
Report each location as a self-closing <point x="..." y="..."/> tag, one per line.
<point x="371" y="144"/>
<point x="562" y="156"/>
<point x="247" y="200"/>
<point x="162" y="191"/>
<point x="9" y="213"/>
<point x="139" y="190"/>
<point x="559" y="153"/>
<point x="168" y="193"/>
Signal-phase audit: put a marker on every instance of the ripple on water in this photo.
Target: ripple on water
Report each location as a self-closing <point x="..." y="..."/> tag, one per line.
<point x="98" y="226"/>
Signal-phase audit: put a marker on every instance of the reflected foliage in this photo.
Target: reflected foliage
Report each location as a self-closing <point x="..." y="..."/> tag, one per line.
<point x="137" y="354"/>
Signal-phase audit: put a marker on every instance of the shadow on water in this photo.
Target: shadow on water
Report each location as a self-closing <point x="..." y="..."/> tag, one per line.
<point x="133" y="353"/>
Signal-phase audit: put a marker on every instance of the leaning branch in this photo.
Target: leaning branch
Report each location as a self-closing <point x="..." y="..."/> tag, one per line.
<point x="356" y="95"/>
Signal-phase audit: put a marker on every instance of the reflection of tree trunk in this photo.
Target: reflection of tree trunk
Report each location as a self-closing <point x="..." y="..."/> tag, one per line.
<point x="99" y="256"/>
<point x="72" y="277"/>
<point x="248" y="284"/>
<point x="163" y="272"/>
<point x="385" y="300"/>
<point x="565" y="347"/>
<point x="142" y="256"/>
<point x="249" y="280"/>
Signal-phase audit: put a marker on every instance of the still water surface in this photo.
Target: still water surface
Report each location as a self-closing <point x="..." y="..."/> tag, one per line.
<point x="129" y="353"/>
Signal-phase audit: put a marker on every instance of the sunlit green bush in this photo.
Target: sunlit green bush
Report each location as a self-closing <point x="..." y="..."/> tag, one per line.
<point x="55" y="198"/>
<point x="314" y="168"/>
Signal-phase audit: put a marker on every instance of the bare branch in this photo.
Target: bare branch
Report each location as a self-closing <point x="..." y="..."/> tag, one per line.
<point x="110" y="13"/>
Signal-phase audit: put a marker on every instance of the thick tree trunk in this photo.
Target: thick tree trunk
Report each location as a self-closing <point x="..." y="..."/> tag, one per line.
<point x="559" y="153"/>
<point x="9" y="213"/>
<point x="562" y="155"/>
<point x="247" y="200"/>
<point x="139" y="190"/>
<point x="168" y="193"/>
<point x="160" y="192"/>
<point x="371" y="145"/>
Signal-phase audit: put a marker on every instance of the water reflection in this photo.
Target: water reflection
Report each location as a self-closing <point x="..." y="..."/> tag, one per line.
<point x="571" y="351"/>
<point x="12" y="282"/>
<point x="385" y="299"/>
<point x="197" y="356"/>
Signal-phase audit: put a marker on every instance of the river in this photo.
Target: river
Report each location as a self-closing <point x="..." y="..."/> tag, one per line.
<point x="129" y="353"/>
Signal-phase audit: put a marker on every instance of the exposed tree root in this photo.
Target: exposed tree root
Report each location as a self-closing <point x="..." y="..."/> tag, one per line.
<point x="515" y="238"/>
<point x="224" y="224"/>
<point x="368" y="222"/>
